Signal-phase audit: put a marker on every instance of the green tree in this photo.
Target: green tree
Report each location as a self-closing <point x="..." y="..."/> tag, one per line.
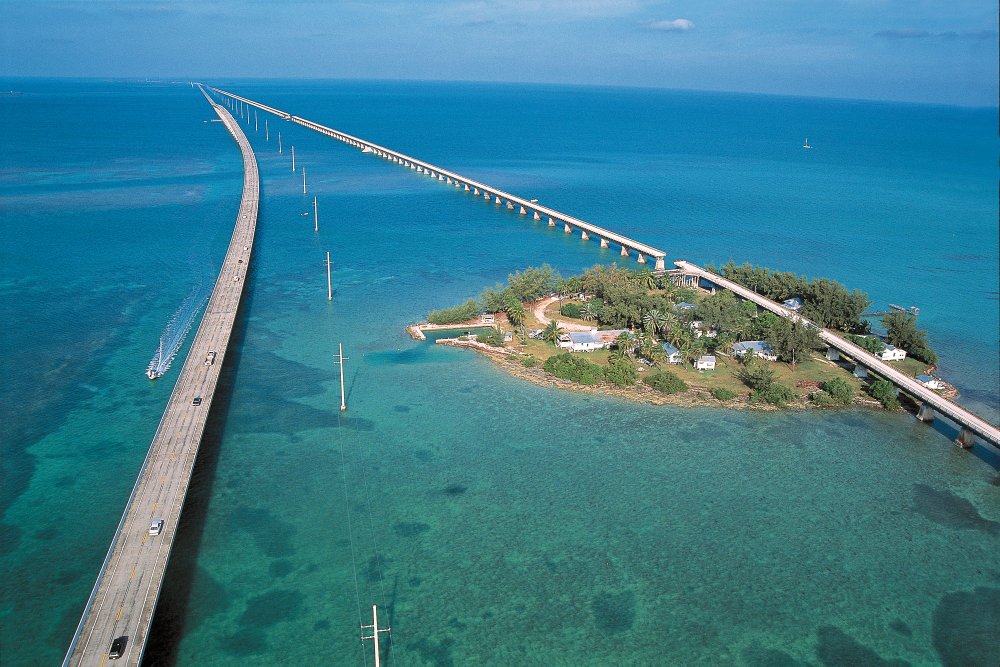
<point x="901" y="331"/>
<point x="792" y="340"/>
<point x="532" y="283"/>
<point x="588" y="311"/>
<point x="756" y="374"/>
<point x="653" y="321"/>
<point x="870" y="344"/>
<point x="514" y="309"/>
<point x="552" y="332"/>
<point x="884" y="392"/>
<point x="454" y="315"/>
<point x="723" y="394"/>
<point x="774" y="393"/>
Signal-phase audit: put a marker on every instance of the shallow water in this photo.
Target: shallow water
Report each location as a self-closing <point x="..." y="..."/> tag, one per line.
<point x="492" y="521"/>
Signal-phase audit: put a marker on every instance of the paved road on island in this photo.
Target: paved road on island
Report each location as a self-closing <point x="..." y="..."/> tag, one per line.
<point x="128" y="585"/>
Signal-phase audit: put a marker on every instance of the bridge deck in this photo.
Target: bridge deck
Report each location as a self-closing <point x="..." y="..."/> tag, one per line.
<point x="953" y="411"/>
<point x="590" y="228"/>
<point x="128" y="585"/>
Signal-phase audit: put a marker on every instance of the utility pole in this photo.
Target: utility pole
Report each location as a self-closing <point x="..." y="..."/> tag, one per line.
<point x="315" y="215"/>
<point x="255" y="126"/>
<point x="375" y="630"/>
<point x="343" y="402"/>
<point x="279" y="141"/>
<point x="293" y="158"/>
<point x="303" y="180"/>
<point x="329" y="284"/>
<point x="267" y="135"/>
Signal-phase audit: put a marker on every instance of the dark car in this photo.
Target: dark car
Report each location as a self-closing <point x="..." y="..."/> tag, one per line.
<point x="117" y="649"/>
<point x="196" y="400"/>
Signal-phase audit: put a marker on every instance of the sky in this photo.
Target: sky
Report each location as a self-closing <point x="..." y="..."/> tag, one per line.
<point x="901" y="50"/>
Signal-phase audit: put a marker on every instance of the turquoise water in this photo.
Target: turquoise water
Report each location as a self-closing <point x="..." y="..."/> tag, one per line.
<point x="491" y="520"/>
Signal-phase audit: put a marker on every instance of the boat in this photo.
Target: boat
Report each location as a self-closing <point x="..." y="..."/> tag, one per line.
<point x="805" y="144"/>
<point x="152" y="374"/>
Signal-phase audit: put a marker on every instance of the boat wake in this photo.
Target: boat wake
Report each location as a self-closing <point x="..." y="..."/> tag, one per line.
<point x="174" y="333"/>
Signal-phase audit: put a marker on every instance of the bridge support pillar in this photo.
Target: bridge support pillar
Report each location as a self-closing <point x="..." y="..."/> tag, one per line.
<point x="860" y="371"/>
<point x="584" y="235"/>
<point x="661" y="264"/>
<point x="624" y="252"/>
<point x="536" y="216"/>
<point x="523" y="211"/>
<point x="552" y="223"/>
<point x="604" y="243"/>
<point x="440" y="177"/>
<point x="567" y="229"/>
<point x="475" y="191"/>
<point x="458" y="185"/>
<point x="497" y="200"/>
<point x="925" y="413"/>
<point x="486" y="196"/>
<point x="966" y="438"/>
<point x="449" y="180"/>
<point x="467" y="188"/>
<point x="510" y="206"/>
<point x="640" y="258"/>
<point x="832" y="354"/>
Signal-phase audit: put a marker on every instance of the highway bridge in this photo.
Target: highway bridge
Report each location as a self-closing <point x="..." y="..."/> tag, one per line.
<point x="122" y="601"/>
<point x="487" y="192"/>
<point x="969" y="423"/>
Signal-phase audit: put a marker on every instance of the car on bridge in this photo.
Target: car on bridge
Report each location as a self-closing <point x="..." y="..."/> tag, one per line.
<point x="156" y="527"/>
<point x="117" y="649"/>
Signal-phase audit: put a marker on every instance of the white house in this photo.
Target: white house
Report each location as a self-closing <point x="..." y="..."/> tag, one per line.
<point x="891" y="353"/>
<point x="705" y="362"/>
<point x="760" y="348"/>
<point x="588" y="341"/>
<point x="674" y="355"/>
<point x="930" y="382"/>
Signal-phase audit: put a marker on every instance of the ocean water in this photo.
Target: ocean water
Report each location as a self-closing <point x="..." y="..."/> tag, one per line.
<point x="492" y="521"/>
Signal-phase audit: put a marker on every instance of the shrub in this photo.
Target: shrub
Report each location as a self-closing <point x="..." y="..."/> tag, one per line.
<point x="823" y="399"/>
<point x="884" y="392"/>
<point x="775" y="394"/>
<point x="723" y="394"/>
<point x="665" y="382"/>
<point x="493" y="337"/>
<point x="570" y="310"/>
<point x="576" y="369"/>
<point x="454" y="315"/>
<point x="621" y="372"/>
<point x="839" y="390"/>
<point x="924" y="354"/>
<point x="529" y="361"/>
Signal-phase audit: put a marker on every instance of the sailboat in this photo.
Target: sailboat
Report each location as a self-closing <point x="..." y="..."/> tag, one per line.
<point x="805" y="144"/>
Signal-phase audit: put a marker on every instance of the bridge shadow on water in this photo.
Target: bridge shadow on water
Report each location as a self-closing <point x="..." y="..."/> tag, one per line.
<point x="171" y="617"/>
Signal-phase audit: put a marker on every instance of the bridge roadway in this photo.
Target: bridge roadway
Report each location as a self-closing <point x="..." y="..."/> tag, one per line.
<point x="128" y="585"/>
<point x="961" y="416"/>
<point x="488" y="192"/>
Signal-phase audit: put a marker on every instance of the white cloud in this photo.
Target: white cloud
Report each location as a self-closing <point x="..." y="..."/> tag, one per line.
<point x="676" y="25"/>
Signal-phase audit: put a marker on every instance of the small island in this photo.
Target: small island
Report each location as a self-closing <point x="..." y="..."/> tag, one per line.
<point x="667" y="338"/>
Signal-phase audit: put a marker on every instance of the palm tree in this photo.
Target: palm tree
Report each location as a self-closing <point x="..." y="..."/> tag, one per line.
<point x="670" y="321"/>
<point x="587" y="312"/>
<point x="514" y="310"/>
<point x="552" y="332"/>
<point x="653" y="321"/>
<point x="626" y="343"/>
<point x="646" y="279"/>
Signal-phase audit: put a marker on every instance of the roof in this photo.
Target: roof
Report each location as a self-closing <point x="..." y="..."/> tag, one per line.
<point x="794" y="302"/>
<point x="684" y="305"/>
<point x="889" y="348"/>
<point x="606" y="337"/>
<point x="706" y="357"/>
<point x="670" y="349"/>
<point x="926" y="378"/>
<point x="757" y="346"/>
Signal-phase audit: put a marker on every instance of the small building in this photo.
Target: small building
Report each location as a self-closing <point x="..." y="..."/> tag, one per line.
<point x="760" y="348"/>
<point x="674" y="355"/>
<point x="699" y="329"/>
<point x="486" y="318"/>
<point x="588" y="341"/>
<point x="931" y="382"/>
<point x="891" y="353"/>
<point x="795" y="303"/>
<point x="705" y="362"/>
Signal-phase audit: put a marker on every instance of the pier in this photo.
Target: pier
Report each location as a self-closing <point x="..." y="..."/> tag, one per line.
<point x="969" y="423"/>
<point x="124" y="597"/>
<point x="499" y="197"/>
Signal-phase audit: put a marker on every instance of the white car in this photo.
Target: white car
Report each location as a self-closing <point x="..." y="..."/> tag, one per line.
<point x="156" y="527"/>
